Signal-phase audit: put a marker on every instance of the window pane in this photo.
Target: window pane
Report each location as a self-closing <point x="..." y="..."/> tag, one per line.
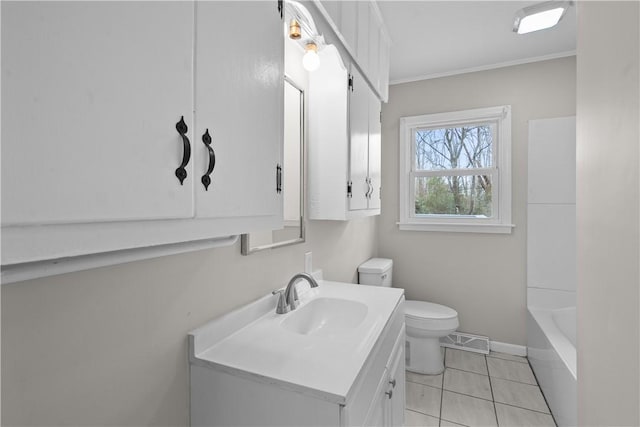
<point x="462" y="147"/>
<point x="453" y="195"/>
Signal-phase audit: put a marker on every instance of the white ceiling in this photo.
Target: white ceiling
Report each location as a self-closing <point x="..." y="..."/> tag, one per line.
<point x="438" y="38"/>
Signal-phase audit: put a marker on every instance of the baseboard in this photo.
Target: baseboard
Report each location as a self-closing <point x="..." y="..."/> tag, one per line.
<point x="503" y="347"/>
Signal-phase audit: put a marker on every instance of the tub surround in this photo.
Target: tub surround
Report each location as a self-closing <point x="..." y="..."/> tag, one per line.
<point x="551" y="263"/>
<point x="552" y="355"/>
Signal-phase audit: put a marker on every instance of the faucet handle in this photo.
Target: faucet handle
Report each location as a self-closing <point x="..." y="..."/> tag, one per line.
<point x="282" y="307"/>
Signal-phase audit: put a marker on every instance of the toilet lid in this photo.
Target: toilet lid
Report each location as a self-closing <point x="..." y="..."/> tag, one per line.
<point x="428" y="310"/>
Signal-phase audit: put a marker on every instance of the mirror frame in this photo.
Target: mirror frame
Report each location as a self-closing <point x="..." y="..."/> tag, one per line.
<point x="245" y="241"/>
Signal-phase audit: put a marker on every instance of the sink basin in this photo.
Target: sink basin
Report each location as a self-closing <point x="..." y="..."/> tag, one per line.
<point x="326" y="316"/>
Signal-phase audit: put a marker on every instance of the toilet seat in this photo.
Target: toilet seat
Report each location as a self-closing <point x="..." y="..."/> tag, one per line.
<point x="431" y="316"/>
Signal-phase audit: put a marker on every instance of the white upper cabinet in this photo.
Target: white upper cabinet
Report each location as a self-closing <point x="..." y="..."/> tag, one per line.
<point x="360" y="27"/>
<point x="239" y="100"/>
<point x="344" y="142"/>
<point x="92" y="94"/>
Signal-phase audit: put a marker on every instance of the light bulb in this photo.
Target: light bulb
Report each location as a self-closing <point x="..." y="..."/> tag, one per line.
<point x="311" y="60"/>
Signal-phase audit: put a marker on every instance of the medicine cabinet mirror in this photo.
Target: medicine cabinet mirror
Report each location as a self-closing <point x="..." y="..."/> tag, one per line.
<point x="293" y="178"/>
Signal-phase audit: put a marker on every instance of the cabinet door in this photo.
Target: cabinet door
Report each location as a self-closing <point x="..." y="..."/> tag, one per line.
<point x="359" y="140"/>
<point x="397" y="383"/>
<point x="349" y="23"/>
<point x="91" y="94"/>
<point x="378" y="415"/>
<point x="362" y="49"/>
<point x="373" y="67"/>
<point x="333" y="8"/>
<point x="384" y="66"/>
<point x="239" y="100"/>
<point x="375" y="159"/>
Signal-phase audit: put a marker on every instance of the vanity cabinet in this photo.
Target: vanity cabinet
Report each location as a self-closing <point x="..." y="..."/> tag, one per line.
<point x="345" y="133"/>
<point x="261" y="375"/>
<point x="107" y="109"/>
<point x="388" y="406"/>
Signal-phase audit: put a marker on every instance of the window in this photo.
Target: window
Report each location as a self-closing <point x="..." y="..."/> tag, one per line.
<point x="455" y="171"/>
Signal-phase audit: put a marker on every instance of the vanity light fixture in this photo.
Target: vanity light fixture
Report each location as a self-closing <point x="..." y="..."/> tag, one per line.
<point x="294" y="30"/>
<point x="311" y="60"/>
<point x="539" y="16"/>
<point x="303" y="29"/>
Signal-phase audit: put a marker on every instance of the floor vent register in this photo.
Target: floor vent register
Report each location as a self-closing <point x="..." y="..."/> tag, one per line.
<point x="468" y="342"/>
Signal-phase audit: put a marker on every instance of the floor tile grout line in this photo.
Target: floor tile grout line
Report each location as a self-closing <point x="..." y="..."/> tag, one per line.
<point x="428" y="385"/>
<point x="420" y="412"/>
<point x="541" y="392"/>
<point x="444" y="357"/>
<point x="449" y="421"/>
<point x="517" y="382"/>
<point x="493" y="399"/>
<point x="526" y="409"/>
<point x="525" y="359"/>
<point x="471" y="372"/>
<point x="468" y="395"/>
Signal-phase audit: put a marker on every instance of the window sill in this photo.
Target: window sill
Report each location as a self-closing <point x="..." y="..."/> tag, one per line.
<point x="457" y="227"/>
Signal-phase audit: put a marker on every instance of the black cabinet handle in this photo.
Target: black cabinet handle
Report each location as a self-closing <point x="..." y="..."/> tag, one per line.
<point x="278" y="179"/>
<point x="369" y="188"/>
<point x="182" y="129"/>
<point x="206" y="179"/>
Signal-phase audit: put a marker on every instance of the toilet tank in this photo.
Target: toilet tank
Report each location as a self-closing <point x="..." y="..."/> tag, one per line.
<point x="376" y="272"/>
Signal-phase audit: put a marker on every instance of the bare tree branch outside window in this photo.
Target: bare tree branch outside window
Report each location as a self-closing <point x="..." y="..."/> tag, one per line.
<point x="459" y="150"/>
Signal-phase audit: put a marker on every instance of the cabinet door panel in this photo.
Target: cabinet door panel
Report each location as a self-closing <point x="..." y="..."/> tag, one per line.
<point x="375" y="159"/>
<point x="362" y="50"/>
<point x="333" y="9"/>
<point x="384" y="66"/>
<point x="397" y="377"/>
<point x="374" y="47"/>
<point x="349" y="23"/>
<point x="359" y="133"/>
<point x="91" y="94"/>
<point x="378" y="415"/>
<point x="239" y="99"/>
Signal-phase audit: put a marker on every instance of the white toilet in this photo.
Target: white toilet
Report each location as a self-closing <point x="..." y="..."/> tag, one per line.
<point x="426" y="322"/>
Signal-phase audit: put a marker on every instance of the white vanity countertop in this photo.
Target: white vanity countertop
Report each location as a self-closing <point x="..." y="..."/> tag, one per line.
<point x="252" y="343"/>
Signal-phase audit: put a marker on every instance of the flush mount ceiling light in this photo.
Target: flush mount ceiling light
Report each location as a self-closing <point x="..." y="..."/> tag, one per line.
<point x="539" y="16"/>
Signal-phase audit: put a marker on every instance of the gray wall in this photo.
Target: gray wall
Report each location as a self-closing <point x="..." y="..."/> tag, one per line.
<point x="109" y="346"/>
<point x="608" y="190"/>
<point x="489" y="289"/>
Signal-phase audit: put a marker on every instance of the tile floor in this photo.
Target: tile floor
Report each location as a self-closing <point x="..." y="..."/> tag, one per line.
<point x="477" y="390"/>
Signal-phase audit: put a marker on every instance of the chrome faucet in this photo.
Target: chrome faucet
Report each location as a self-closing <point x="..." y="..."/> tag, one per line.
<point x="289" y="297"/>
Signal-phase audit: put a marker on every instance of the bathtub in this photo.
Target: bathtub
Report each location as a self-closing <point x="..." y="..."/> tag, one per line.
<point x="551" y="348"/>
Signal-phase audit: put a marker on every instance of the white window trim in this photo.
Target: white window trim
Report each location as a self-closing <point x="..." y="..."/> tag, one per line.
<point x="501" y="222"/>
